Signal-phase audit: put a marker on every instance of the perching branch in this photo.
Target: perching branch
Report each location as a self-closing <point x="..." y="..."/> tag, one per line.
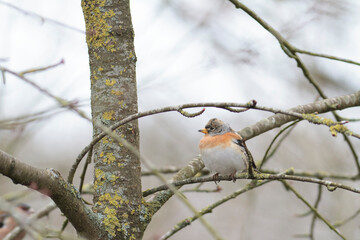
<point x="331" y="186"/>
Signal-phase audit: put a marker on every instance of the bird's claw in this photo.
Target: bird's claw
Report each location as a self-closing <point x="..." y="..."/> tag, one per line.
<point x="215" y="178"/>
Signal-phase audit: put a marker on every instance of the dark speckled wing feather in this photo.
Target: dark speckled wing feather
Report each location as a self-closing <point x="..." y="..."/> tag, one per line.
<point x="242" y="144"/>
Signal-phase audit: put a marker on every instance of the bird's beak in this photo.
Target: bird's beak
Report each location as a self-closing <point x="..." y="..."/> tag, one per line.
<point x="203" y="131"/>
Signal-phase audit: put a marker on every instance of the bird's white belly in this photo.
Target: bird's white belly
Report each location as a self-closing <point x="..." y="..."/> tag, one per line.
<point x="223" y="160"/>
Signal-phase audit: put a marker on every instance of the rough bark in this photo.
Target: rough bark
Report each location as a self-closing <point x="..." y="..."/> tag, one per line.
<point x="117" y="178"/>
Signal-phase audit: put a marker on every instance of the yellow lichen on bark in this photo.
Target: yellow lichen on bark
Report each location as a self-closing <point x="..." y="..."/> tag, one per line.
<point x="115" y="200"/>
<point x="109" y="82"/>
<point x="339" y="128"/>
<point x="116" y="92"/>
<point x="334" y="127"/>
<point x="98" y="31"/>
<point x="109" y="158"/>
<point x="100" y="177"/>
<point x="111" y="222"/>
<point x="109" y="115"/>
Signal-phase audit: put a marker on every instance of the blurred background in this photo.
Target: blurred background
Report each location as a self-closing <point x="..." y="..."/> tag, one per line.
<point x="191" y="51"/>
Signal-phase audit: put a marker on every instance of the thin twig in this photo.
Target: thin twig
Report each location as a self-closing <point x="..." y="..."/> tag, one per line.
<point x="186" y="222"/>
<point x="20" y="217"/>
<point x="313" y="209"/>
<point x="35" y="216"/>
<point x="43" y="19"/>
<point x="40" y="69"/>
<point x="267" y="155"/>
<point x="10" y="123"/>
<point x="87" y="162"/>
<point x="343" y="222"/>
<point x="317" y="174"/>
<point x="325" y="56"/>
<point x="191" y="115"/>
<point x="170" y="170"/>
<point x="316" y="205"/>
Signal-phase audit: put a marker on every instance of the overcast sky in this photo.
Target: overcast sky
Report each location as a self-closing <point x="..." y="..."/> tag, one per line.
<point x="187" y="51"/>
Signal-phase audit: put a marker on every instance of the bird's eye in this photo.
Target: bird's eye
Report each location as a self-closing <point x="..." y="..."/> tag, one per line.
<point x="209" y="128"/>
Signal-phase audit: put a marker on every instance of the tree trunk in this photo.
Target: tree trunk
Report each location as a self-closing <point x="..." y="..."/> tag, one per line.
<point x="117" y="178"/>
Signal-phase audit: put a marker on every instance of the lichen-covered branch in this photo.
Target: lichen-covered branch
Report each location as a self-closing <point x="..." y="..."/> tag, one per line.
<point x="321" y="106"/>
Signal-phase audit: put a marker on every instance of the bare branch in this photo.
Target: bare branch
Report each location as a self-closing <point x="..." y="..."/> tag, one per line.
<point x="40" y="69"/>
<point x="267" y="155"/>
<point x="326" y="56"/>
<point x="316" y="205"/>
<point x="343" y="222"/>
<point x="43" y="19"/>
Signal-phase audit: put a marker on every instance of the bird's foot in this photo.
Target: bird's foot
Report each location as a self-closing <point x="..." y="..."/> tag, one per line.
<point x="232" y="176"/>
<point x="215" y="178"/>
<point x="252" y="171"/>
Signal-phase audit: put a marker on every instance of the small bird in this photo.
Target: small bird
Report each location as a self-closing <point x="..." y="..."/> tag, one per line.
<point x="223" y="151"/>
<point x="8" y="223"/>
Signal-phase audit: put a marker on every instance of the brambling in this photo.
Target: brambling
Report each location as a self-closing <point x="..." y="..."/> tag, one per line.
<point x="223" y="151"/>
<point x="8" y="222"/>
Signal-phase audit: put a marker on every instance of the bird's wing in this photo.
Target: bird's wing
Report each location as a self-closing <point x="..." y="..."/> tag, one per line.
<point x="239" y="142"/>
<point x="237" y="139"/>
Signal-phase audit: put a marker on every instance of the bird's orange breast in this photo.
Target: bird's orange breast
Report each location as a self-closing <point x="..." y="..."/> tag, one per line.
<point x="223" y="140"/>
